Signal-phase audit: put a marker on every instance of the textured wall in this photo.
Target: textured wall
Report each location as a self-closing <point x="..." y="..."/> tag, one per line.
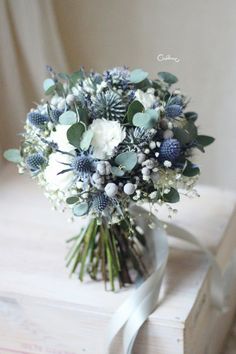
<point x="105" y="33"/>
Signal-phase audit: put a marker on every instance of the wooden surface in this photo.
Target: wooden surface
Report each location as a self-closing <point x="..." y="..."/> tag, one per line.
<point x="43" y="311"/>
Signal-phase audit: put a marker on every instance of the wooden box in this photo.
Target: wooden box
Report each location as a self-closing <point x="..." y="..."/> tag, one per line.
<point x="43" y="311"/>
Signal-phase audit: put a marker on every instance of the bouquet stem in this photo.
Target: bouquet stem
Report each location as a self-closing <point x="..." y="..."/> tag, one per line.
<point x="110" y="252"/>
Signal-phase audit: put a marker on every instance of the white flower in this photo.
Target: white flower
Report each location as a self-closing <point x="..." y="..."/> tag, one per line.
<point x="107" y="134"/>
<point x="146" y="98"/>
<point x="129" y="188"/>
<point x="55" y="181"/>
<point x="59" y="136"/>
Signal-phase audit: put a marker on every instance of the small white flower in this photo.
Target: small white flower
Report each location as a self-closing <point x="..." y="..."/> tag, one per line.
<point x="141" y="157"/>
<point x="152" y="145"/>
<point x="59" y="136"/>
<point x="153" y="195"/>
<point x="107" y="135"/>
<point x="111" y="189"/>
<point x="61" y="103"/>
<point x="146" y="98"/>
<point x="167" y="163"/>
<point x="168" y="134"/>
<point x="55" y="181"/>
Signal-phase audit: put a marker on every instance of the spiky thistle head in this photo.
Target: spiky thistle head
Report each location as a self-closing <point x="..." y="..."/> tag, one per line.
<point x="109" y="105"/>
<point x="83" y="165"/>
<point x="35" y="162"/>
<point x="100" y="202"/>
<point x="173" y="110"/>
<point x="170" y="150"/>
<point x="38" y="120"/>
<point x="118" y="77"/>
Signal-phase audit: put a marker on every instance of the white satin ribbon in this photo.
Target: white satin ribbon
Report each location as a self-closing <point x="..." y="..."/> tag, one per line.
<point x="143" y="301"/>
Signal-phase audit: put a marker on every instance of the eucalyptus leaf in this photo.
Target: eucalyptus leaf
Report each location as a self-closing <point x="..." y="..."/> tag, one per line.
<point x="204" y="140"/>
<point x="126" y="160"/>
<point x="191" y="169"/>
<point x="116" y="171"/>
<point x="172" y="196"/>
<point x="12" y="155"/>
<point x="146" y="120"/>
<point x="134" y="107"/>
<point x="72" y="200"/>
<point x="86" y="140"/>
<point x="80" y="209"/>
<point x="138" y="75"/>
<point x="168" y="77"/>
<point x="68" y="118"/>
<point x="48" y="83"/>
<point x="74" y="134"/>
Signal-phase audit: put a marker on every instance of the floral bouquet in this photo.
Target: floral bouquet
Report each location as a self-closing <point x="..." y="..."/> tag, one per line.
<point x="99" y="144"/>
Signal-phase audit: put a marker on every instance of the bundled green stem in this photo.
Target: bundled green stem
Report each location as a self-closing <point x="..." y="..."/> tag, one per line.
<point x="110" y="252"/>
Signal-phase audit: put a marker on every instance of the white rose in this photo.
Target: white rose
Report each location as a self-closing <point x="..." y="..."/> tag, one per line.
<point x="107" y="134"/>
<point x="55" y="165"/>
<point x="59" y="136"/>
<point x="146" y="98"/>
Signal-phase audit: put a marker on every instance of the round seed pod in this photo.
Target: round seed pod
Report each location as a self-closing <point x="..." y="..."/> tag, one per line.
<point x="111" y="189"/>
<point x="129" y="188"/>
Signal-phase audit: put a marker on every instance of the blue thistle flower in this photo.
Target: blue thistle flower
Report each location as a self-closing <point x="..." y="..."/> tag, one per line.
<point x="38" y="120"/>
<point x="35" y="161"/>
<point x="83" y="166"/>
<point x="54" y="115"/>
<point x="118" y="77"/>
<point x="109" y="105"/>
<point x="170" y="150"/>
<point x="100" y="202"/>
<point x="173" y="110"/>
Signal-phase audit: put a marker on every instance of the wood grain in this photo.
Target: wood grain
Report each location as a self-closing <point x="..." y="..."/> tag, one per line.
<point x="43" y="311"/>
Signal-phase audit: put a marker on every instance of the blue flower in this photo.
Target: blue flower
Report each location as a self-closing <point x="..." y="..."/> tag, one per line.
<point x="83" y="165"/>
<point x="38" y="120"/>
<point x="100" y="202"/>
<point x="170" y="150"/>
<point x="173" y="110"/>
<point x="108" y="105"/>
<point x="35" y="162"/>
<point x="118" y="77"/>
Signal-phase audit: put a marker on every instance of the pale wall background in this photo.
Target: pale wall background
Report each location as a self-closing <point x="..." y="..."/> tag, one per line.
<point x="104" y="33"/>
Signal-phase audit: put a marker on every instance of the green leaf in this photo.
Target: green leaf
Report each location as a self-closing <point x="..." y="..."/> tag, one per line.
<point x="167" y="77"/>
<point x="86" y="140"/>
<point x="77" y="75"/>
<point x="146" y="120"/>
<point x="74" y="134"/>
<point x="192" y="116"/>
<point x="116" y="171"/>
<point x="172" y="196"/>
<point x="63" y="76"/>
<point x="83" y="115"/>
<point x="48" y="84"/>
<point x="12" y="155"/>
<point x="204" y="140"/>
<point x="126" y="160"/>
<point x="134" y="108"/>
<point x="80" y="209"/>
<point x="191" y="170"/>
<point x="72" y="200"/>
<point x="186" y="134"/>
<point x="138" y="75"/>
<point x="68" y="118"/>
